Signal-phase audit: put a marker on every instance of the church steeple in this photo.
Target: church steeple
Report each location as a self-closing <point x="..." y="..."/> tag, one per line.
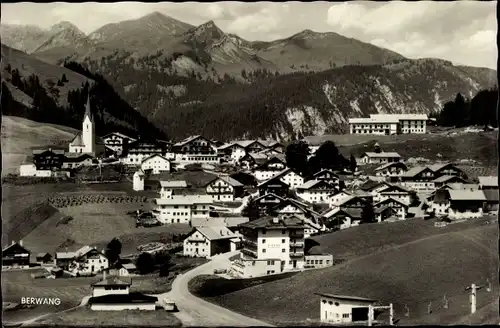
<point x="87" y="110"/>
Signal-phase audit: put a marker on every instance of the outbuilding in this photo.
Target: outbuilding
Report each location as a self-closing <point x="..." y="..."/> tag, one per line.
<point x="341" y="309"/>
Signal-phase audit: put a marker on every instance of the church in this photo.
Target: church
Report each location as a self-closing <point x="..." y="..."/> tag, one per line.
<point x="85" y="141"/>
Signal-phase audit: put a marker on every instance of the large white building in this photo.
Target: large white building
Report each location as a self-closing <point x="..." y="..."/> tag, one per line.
<point x="84" y="141"/>
<point x="209" y="241"/>
<point x="181" y="209"/>
<point x="387" y="124"/>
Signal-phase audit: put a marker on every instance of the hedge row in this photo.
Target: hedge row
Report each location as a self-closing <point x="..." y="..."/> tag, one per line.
<point x="21" y="181"/>
<point x="67" y="201"/>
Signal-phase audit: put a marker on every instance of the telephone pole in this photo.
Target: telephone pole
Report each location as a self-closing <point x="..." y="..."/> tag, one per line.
<point x="371" y="314"/>
<point x="473" y="288"/>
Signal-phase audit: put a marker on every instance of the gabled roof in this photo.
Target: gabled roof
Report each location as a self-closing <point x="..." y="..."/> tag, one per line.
<point x="15" y="245"/>
<point x="381" y="209"/>
<point x="228" y="180"/>
<point x="382" y="154"/>
<point x="347" y="298"/>
<point x="185" y="200"/>
<point x="437" y="167"/>
<point x="121" y="135"/>
<point x="114" y="281"/>
<point x="489" y="181"/>
<point x="390" y="199"/>
<point x="247" y="143"/>
<point x="491" y="195"/>
<point x="462" y="186"/>
<point x="155" y="155"/>
<point x="218" y="221"/>
<point x="266" y="222"/>
<point x="189" y="139"/>
<point x="77" y="140"/>
<point x="311" y="184"/>
<point x="275" y="179"/>
<point x="272" y="159"/>
<point x="38" y="150"/>
<point x="446" y="178"/>
<point x="216" y="233"/>
<point x="323" y="171"/>
<point x="396" y="186"/>
<point x="387" y="165"/>
<point x="372" y="184"/>
<point x="268" y="196"/>
<point x="467" y="195"/>
<point x="416" y="170"/>
<point x="174" y="184"/>
<point x="229" y="145"/>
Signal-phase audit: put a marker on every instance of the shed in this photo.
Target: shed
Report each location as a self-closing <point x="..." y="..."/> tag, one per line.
<point x="341" y="309"/>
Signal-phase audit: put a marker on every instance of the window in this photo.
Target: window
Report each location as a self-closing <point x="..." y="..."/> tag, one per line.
<point x="345" y="315"/>
<point x="283" y="232"/>
<point x="283" y="250"/>
<point x="263" y="241"/>
<point x="264" y="250"/>
<point x="283" y="241"/>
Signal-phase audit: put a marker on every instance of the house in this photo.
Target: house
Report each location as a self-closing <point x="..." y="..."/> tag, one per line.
<point x="252" y="160"/>
<point x="465" y="204"/>
<point x="271" y="245"/>
<point x="181" y="209"/>
<point x="391" y="170"/>
<point x="231" y="222"/>
<point x="343" y="218"/>
<point x="85" y="261"/>
<point x="30" y="170"/>
<point x="389" y="124"/>
<point x="269" y="169"/>
<point x="196" y="149"/>
<point x="312" y="224"/>
<point x="117" y="142"/>
<point x="397" y="192"/>
<point x="329" y="177"/>
<point x="488" y="182"/>
<point x="121" y="270"/>
<point x="316" y="191"/>
<point x="273" y="186"/>
<point x="224" y="188"/>
<point x="268" y="201"/>
<point x="400" y="208"/>
<point x="492" y="199"/>
<point x="252" y="146"/>
<point x="291" y="178"/>
<point x="340" y="309"/>
<point x="138" y="150"/>
<point x="168" y="189"/>
<point x="383" y="213"/>
<point x="138" y="180"/>
<point x="446" y="179"/>
<point x="232" y="152"/>
<point x="76" y="160"/>
<point x="420" y="179"/>
<point x="440" y="202"/>
<point x="208" y="241"/>
<point x="156" y="163"/>
<point x="447" y="169"/>
<point x="379" y="158"/>
<point x="85" y="140"/>
<point x="44" y="258"/>
<point x="270" y="152"/>
<point x="16" y="256"/>
<point x="113" y="294"/>
<point x="48" y="159"/>
<point x="318" y="260"/>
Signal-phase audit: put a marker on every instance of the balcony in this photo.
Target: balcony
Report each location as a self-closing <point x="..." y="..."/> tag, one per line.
<point x="249" y="252"/>
<point x="251" y="243"/>
<point x="196" y="240"/>
<point x="296" y="244"/>
<point x="297" y="234"/>
<point x="297" y="254"/>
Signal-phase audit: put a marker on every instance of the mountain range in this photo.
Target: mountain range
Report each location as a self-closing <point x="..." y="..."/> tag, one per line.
<point x="310" y="82"/>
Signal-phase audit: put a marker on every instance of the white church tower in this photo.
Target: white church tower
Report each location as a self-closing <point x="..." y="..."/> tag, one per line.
<point x="88" y="129"/>
<point x="138" y="180"/>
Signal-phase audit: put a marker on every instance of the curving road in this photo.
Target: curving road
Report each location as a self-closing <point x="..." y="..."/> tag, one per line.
<point x="194" y="311"/>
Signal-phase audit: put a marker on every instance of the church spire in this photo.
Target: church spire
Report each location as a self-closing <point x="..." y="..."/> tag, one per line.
<point x="87" y="109"/>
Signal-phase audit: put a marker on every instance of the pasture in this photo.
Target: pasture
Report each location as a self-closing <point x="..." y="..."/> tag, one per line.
<point x="407" y="263"/>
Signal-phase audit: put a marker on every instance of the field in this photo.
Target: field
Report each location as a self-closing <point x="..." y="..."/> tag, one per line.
<point x="86" y="317"/>
<point x="20" y="135"/>
<point x="407" y="263"/>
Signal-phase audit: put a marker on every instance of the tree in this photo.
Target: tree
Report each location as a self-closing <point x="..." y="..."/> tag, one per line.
<point x="244" y="74"/>
<point x="296" y="156"/>
<point x="162" y="258"/>
<point x="164" y="270"/>
<point x="368" y="214"/>
<point x="252" y="210"/>
<point x="353" y="163"/>
<point x="145" y="263"/>
<point x="64" y="79"/>
<point x="113" y="250"/>
<point x="329" y="157"/>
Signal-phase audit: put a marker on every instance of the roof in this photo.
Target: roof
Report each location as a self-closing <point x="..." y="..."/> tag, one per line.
<point x="123" y="299"/>
<point x="401" y="116"/>
<point x="228" y="180"/>
<point x="216" y="233"/>
<point x="15" y="245"/>
<point x="387" y="165"/>
<point x="390" y="199"/>
<point x="347" y="298"/>
<point x="309" y="184"/>
<point x="42" y="254"/>
<point x="155" y="155"/>
<point x="269" y="195"/>
<point x="228" y="145"/>
<point x="491" y="195"/>
<point x="416" y="170"/>
<point x="371" y="184"/>
<point x="396" y="186"/>
<point x="362" y="120"/>
<point x="258" y="156"/>
<point x="87" y="109"/>
<point x="129" y="266"/>
<point x="490" y="181"/>
<point x="139" y="172"/>
<point x="382" y="154"/>
<point x="325" y="171"/>
<point x="463" y="186"/>
<point x="445" y="178"/>
<point x="114" y="281"/>
<point x="266" y="222"/>
<point x="65" y="255"/>
<point x="118" y="134"/>
<point x="185" y="200"/>
<point x="467" y="195"/>
<point x="352" y="212"/>
<point x="77" y="140"/>
<point x="188" y="140"/>
<point x="218" y="221"/>
<point x="37" y="151"/>
<point x="381" y="209"/>
<point x="174" y="184"/>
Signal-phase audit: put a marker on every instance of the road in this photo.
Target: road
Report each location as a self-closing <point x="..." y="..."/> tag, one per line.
<point x="194" y="311"/>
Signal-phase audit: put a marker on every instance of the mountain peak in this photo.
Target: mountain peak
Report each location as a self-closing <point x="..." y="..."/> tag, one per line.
<point x="64" y="25"/>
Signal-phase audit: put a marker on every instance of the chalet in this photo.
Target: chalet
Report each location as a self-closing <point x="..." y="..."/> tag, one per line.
<point x="48" y="159"/>
<point x="379" y="158"/>
<point x="138" y="150"/>
<point x="252" y="160"/>
<point x="382" y="213"/>
<point x="446" y="179"/>
<point x="117" y="142"/>
<point x="269" y="152"/>
<point x="44" y="258"/>
<point x="121" y="270"/>
<point x="252" y="146"/>
<point x="75" y="160"/>
<point x="343" y="218"/>
<point x="447" y="169"/>
<point x="268" y="201"/>
<point x="85" y="261"/>
<point x="340" y="309"/>
<point x="275" y="146"/>
<point x="232" y="152"/>
<point x="466" y="204"/>
<point x="111" y="285"/>
<point x="488" y="182"/>
<point x="168" y="189"/>
<point x="15" y="256"/>
<point x="397" y="192"/>
<point x="315" y="191"/>
<point x="420" y="179"/>
<point x="391" y="170"/>
<point x="374" y="187"/>
<point x="273" y="186"/>
<point x="196" y="149"/>
<point x="440" y="202"/>
<point x="181" y="209"/>
<point x="156" y="163"/>
<point x="208" y="241"/>
<point x="400" y="208"/>
<point x="491" y="203"/>
<point x="328" y="176"/>
<point x="269" y="169"/>
<point x="290" y="177"/>
<point x="224" y="188"/>
<point x="230" y="222"/>
<point x="338" y="198"/>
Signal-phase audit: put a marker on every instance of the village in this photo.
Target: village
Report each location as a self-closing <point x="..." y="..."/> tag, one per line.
<point x="256" y="207"/>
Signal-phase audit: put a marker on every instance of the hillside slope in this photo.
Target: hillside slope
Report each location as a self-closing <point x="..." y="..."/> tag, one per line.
<point x="409" y="263"/>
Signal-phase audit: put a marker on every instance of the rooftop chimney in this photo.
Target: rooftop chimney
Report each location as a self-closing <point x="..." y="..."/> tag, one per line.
<point x="13" y="242"/>
<point x="275" y="220"/>
<point x="221" y="232"/>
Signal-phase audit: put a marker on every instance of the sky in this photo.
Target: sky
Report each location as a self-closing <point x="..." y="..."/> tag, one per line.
<point x="463" y="32"/>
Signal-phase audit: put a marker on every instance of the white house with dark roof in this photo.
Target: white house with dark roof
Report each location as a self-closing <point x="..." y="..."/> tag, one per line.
<point x="232" y="152"/>
<point x="400" y="208"/>
<point x="117" y="141"/>
<point x="16" y="255"/>
<point x="168" y="189"/>
<point x="379" y="158"/>
<point x="290" y="177"/>
<point x="207" y="241"/>
<point x="488" y="182"/>
<point x="138" y="180"/>
<point x="88" y="260"/>
<point x="328" y="176"/>
<point x="446" y="179"/>
<point x="391" y="170"/>
<point x="111" y="285"/>
<point x="85" y="140"/>
<point x="388" y="124"/>
<point x="273" y="166"/>
<point x="196" y="149"/>
<point x="466" y="204"/>
<point x="341" y="309"/>
<point x="156" y="163"/>
<point x="181" y="209"/>
<point x="224" y="189"/>
<point x="315" y="191"/>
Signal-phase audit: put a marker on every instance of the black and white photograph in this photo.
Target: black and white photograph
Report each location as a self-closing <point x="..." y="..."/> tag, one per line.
<point x="249" y="164"/>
